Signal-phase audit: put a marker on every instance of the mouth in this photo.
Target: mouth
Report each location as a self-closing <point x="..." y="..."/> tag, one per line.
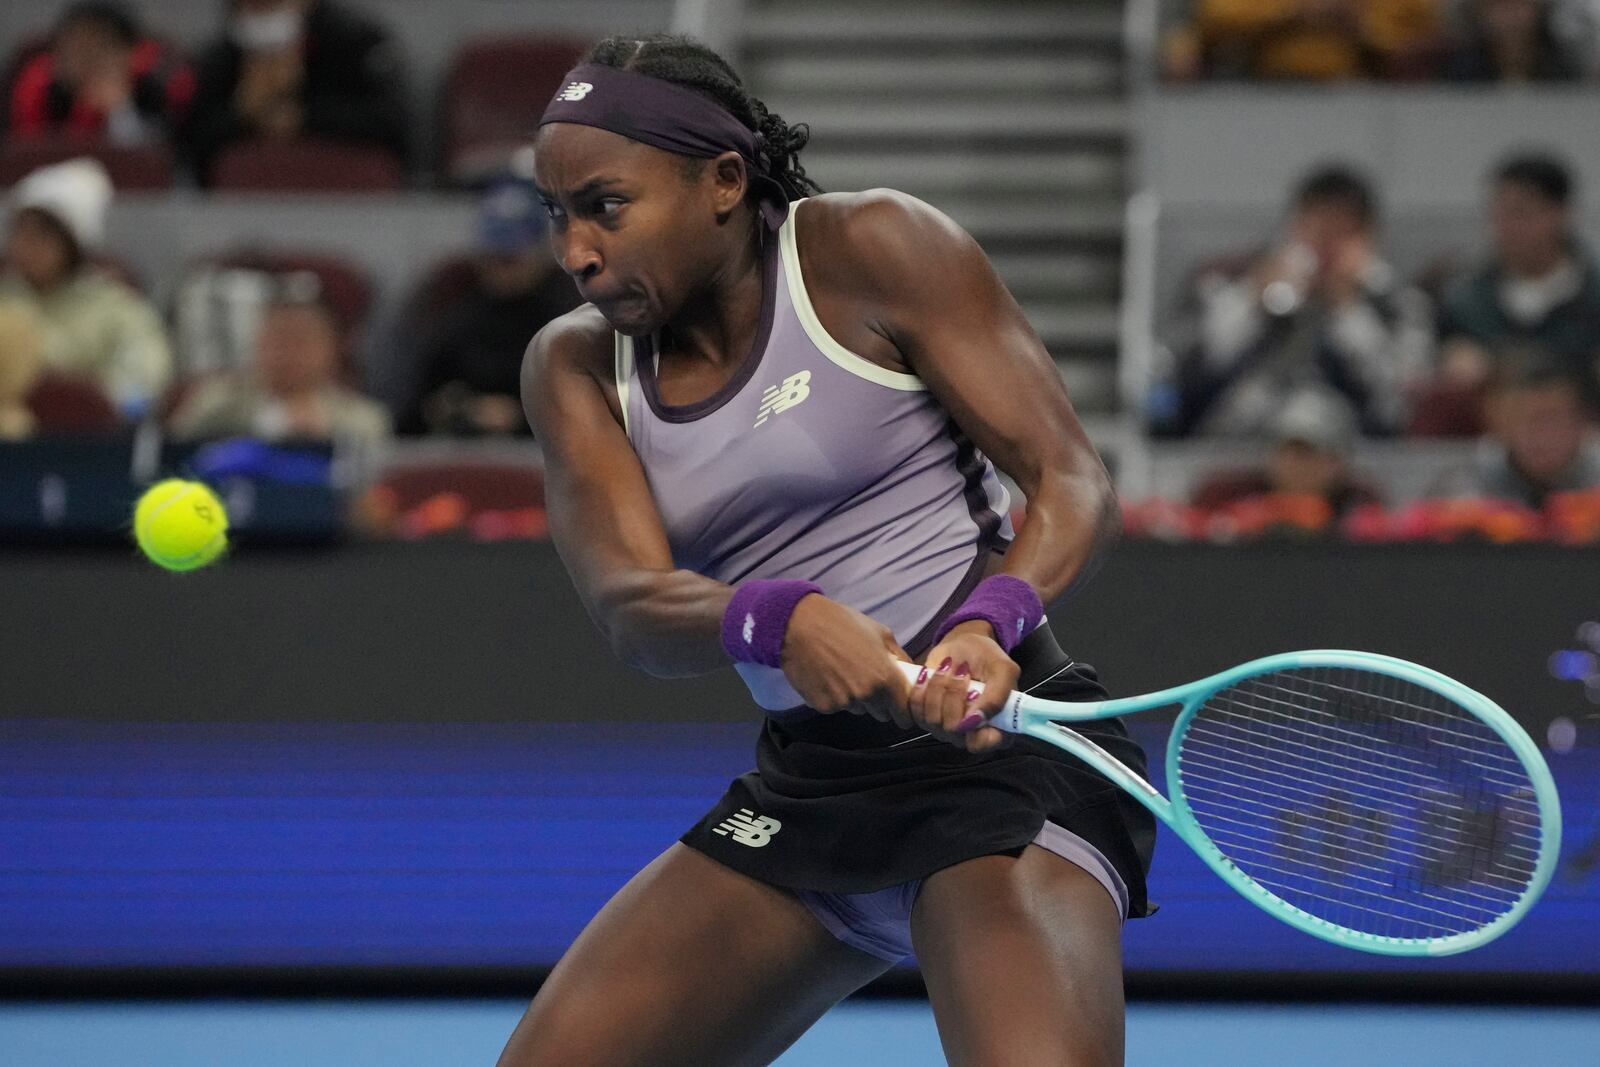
<point x="620" y="309"/>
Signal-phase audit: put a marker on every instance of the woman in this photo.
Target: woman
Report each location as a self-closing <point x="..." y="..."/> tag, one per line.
<point x="762" y="444"/>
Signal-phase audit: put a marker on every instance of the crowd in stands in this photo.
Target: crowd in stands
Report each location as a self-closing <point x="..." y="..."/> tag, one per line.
<point x="1317" y="326"/>
<point x="1305" y="345"/>
<point x="263" y="343"/>
<point x="1461" y="41"/>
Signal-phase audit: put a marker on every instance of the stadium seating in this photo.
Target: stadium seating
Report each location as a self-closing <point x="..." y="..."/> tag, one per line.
<point x="306" y="165"/>
<point x="138" y="169"/>
<point x="493" y="95"/>
<point x="67" y="404"/>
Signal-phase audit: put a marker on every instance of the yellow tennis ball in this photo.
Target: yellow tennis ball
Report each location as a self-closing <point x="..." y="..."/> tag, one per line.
<point x="180" y="525"/>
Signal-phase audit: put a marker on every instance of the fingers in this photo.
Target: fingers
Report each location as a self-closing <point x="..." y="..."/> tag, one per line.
<point x="942" y="701"/>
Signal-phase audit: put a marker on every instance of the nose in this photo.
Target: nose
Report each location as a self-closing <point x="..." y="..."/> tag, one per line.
<point x="578" y="256"/>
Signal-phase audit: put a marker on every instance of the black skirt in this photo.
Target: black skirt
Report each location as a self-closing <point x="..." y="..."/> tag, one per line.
<point x="846" y="804"/>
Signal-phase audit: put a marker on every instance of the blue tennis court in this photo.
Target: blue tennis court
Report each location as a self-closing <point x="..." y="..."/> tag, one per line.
<point x="876" y="1033"/>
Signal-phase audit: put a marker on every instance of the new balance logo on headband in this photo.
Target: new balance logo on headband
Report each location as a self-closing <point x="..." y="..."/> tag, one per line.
<point x="794" y="389"/>
<point x="574" y="91"/>
<point x="748" y="828"/>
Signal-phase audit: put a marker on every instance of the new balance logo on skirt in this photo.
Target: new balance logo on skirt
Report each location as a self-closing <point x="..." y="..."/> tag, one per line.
<point x="748" y="828"/>
<point x="794" y="389"/>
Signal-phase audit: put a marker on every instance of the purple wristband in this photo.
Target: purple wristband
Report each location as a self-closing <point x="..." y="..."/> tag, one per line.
<point x="1008" y="604"/>
<point x="758" y="617"/>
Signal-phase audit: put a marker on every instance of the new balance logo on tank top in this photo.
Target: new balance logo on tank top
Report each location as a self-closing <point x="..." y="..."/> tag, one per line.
<point x="815" y="463"/>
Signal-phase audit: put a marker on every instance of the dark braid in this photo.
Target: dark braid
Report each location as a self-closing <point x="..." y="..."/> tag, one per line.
<point x="686" y="62"/>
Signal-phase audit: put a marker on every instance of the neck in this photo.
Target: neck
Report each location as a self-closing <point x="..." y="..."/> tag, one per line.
<point x="719" y="324"/>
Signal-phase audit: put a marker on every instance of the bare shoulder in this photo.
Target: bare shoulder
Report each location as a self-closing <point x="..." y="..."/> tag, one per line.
<point x="579" y="340"/>
<point x="876" y="233"/>
<point x="569" y="362"/>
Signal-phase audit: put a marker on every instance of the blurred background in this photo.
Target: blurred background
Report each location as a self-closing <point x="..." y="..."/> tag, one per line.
<point x="1319" y="275"/>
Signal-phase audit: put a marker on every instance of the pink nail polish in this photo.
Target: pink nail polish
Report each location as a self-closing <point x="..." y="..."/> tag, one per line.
<point x="971" y="722"/>
<point x="945" y="666"/>
<point x="973" y="694"/>
<point x="963" y="670"/>
<point x="923" y="677"/>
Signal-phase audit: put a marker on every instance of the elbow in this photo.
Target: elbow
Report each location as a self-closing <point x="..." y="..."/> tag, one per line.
<point x="629" y="644"/>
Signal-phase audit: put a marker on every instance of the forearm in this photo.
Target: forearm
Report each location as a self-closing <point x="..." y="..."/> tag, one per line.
<point x="665" y="623"/>
<point x="1071" y="521"/>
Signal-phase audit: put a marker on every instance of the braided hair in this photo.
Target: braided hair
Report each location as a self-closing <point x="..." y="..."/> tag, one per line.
<point x="686" y="62"/>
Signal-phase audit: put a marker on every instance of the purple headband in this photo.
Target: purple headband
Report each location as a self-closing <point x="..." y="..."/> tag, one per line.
<point x="667" y="116"/>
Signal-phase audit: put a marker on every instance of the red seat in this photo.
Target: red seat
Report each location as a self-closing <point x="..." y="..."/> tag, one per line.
<point x="145" y="167"/>
<point x="488" y="500"/>
<point x="484" y="485"/>
<point x="306" y="165"/>
<point x="342" y="285"/>
<point x="493" y="96"/>
<point x="69" y="404"/>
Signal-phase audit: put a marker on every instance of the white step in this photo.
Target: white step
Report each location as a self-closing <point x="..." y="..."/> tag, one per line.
<point x="1090" y="382"/>
<point x="1070" y="326"/>
<point x="935" y="176"/>
<point x="965" y="25"/>
<point x="832" y="120"/>
<point x="904" y="75"/>
<point x="1012" y="221"/>
<point x="1033" y="276"/>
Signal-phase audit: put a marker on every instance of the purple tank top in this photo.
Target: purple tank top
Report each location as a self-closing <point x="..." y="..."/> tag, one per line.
<point x="813" y="462"/>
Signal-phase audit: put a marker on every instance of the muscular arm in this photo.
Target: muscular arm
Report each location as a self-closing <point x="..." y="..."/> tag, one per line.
<point x="930" y="292"/>
<point x="657" y="617"/>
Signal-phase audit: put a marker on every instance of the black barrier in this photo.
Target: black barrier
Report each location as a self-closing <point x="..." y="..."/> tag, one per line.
<point x="447" y="631"/>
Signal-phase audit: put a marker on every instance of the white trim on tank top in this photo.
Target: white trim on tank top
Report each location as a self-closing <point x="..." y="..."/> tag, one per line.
<point x="622" y="367"/>
<point x="837" y="354"/>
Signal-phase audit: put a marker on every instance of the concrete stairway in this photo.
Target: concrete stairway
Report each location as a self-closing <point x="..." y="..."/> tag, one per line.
<point x="1008" y="115"/>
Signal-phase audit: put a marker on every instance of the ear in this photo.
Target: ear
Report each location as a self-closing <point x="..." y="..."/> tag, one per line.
<point x="728" y="183"/>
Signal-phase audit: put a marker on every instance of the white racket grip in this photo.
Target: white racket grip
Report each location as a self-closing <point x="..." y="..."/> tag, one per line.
<point x="1007" y="718"/>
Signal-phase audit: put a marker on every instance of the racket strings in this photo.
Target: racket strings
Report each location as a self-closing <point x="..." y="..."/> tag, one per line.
<point x="1366" y="800"/>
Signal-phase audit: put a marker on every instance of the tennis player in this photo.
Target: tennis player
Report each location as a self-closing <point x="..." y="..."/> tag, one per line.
<point x="767" y="441"/>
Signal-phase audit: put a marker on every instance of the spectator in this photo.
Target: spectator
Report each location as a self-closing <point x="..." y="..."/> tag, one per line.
<point x="1539" y="442"/>
<point x="20" y="366"/>
<point x="292" y="391"/>
<point x="1540" y="286"/>
<point x="1512" y="41"/>
<point x="1320" y="310"/>
<point x="470" y="355"/>
<point x="294" y="68"/>
<point x="92" y="325"/>
<point x="101" y="78"/>
<point x="1299" y="39"/>
<point x="1313" y="438"/>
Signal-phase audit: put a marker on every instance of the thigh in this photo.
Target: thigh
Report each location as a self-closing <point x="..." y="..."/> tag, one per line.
<point x="1023" y="961"/>
<point x="690" y="963"/>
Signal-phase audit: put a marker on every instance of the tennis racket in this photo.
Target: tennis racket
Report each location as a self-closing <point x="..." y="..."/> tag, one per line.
<point x="1367" y="800"/>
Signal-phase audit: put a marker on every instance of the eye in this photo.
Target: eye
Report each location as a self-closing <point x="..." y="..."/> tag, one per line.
<point x="551" y="210"/>
<point x="609" y="205"/>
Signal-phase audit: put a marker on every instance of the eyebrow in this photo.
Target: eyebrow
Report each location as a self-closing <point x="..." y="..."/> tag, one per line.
<point x="588" y="188"/>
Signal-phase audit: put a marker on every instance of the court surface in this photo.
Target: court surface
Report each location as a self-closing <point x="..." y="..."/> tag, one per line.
<point x="875" y="1033"/>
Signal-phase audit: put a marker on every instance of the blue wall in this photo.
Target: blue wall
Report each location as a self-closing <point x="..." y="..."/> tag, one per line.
<point x="464" y="844"/>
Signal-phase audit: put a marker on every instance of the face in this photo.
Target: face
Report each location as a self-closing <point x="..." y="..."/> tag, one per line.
<point x="37" y="250"/>
<point x="1326" y="227"/>
<point x="1298" y="467"/>
<point x="84" y="50"/>
<point x="1542" y="428"/>
<point x="297" y="348"/>
<point x="1529" y="230"/>
<point x="639" y="233"/>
